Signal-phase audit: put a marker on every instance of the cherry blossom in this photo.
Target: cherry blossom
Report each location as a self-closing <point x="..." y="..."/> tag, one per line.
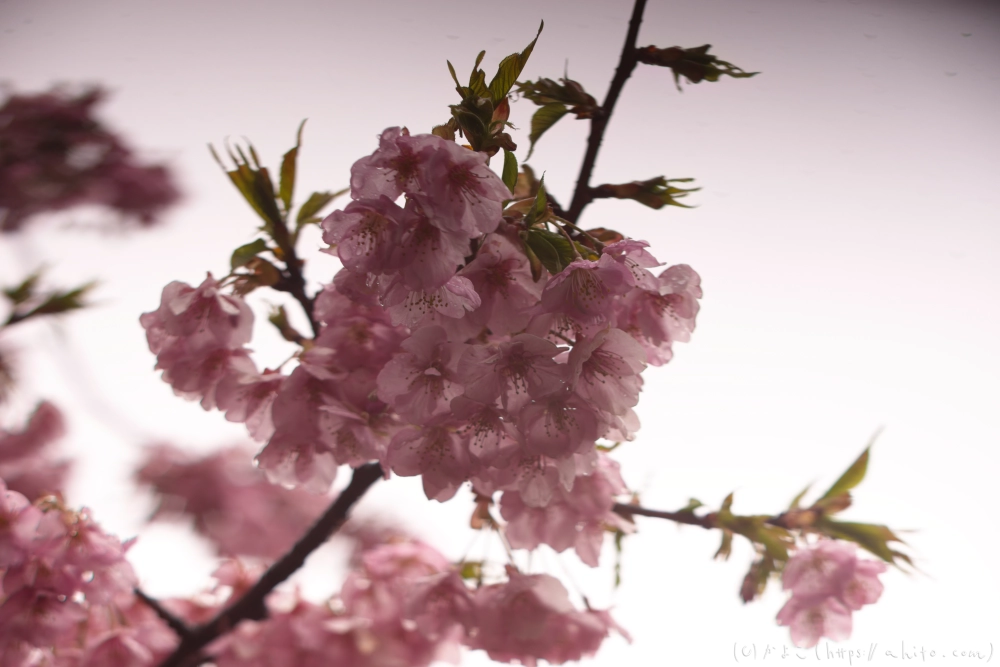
<point x="828" y="581"/>
<point x="530" y="618"/>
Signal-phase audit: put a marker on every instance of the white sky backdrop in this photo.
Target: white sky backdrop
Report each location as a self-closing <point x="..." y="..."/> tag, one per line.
<point x="847" y="236"/>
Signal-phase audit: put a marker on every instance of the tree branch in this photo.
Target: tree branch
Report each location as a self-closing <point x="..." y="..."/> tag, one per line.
<point x="292" y="280"/>
<point x="251" y="604"/>
<point x="599" y="122"/>
<point x="707" y="522"/>
<point x="175" y="623"/>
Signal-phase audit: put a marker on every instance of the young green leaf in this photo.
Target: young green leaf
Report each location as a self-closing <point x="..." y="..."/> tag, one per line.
<point x="510" y="68"/>
<point x="509" y="170"/>
<point x="242" y="255"/>
<point x="24" y="291"/>
<point x="286" y="181"/>
<point x="542" y="120"/>
<point x="850" y="479"/>
<point x="873" y="538"/>
<point x="316" y="202"/>
<point x="540" y="207"/>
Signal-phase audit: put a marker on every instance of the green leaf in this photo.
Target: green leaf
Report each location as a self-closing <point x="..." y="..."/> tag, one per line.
<point x="540" y="207"/>
<point x="797" y="499"/>
<point x="655" y="192"/>
<point x="850" y="479"/>
<point x="316" y="202"/>
<point x="727" y="503"/>
<point x="542" y="120"/>
<point x="726" y="547"/>
<point x="510" y="68"/>
<point x="61" y="302"/>
<point x="286" y="182"/>
<point x="695" y="64"/>
<point x="509" y="169"/>
<point x="872" y="537"/>
<point x="242" y="255"/>
<point x="553" y="250"/>
<point x="692" y="505"/>
<point x="24" y="291"/>
<point x="534" y="262"/>
<point x="454" y="76"/>
<point x="254" y="183"/>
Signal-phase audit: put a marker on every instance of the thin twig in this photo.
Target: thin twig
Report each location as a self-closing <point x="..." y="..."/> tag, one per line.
<point x="599" y="122"/>
<point x="175" y="623"/>
<point x="709" y="521"/>
<point x="251" y="604"/>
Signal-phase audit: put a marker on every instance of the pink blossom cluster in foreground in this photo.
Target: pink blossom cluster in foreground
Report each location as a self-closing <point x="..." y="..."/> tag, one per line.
<point x="440" y="356"/>
<point x="54" y="155"/>
<point x="828" y="583"/>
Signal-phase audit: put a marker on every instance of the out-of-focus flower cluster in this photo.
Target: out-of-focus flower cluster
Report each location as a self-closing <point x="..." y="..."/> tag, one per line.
<point x="828" y="583"/>
<point x="405" y="605"/>
<point x="66" y="591"/>
<point x="231" y="502"/>
<point x="54" y="154"/>
<point x="25" y="462"/>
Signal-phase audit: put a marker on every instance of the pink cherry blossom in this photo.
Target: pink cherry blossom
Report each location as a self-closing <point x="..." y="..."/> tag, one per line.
<point x="585" y="291"/>
<point x="632" y="254"/>
<point x="412" y="308"/>
<point x="364" y="234"/>
<point x="421" y="381"/>
<point x="230" y="501"/>
<point x="25" y="462"/>
<point x="436" y="453"/>
<point x="392" y="169"/>
<point x="606" y="370"/>
<point x="810" y="618"/>
<point x="204" y="316"/>
<point x="515" y="371"/>
<point x="247" y="398"/>
<point x="656" y="318"/>
<point x="828" y="581"/>
<point x="560" y="425"/>
<point x="425" y="256"/>
<point x="501" y="276"/>
<point x="458" y="190"/>
<point x="530" y="618"/>
<point x="572" y="518"/>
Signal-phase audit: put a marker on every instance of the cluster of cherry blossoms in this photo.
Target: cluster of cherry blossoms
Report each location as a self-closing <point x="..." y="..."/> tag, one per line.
<point x="404" y="604"/>
<point x="441" y="355"/>
<point x="66" y="591"/>
<point x="55" y="155"/>
<point x="25" y="463"/>
<point x="230" y="502"/>
<point x="828" y="583"/>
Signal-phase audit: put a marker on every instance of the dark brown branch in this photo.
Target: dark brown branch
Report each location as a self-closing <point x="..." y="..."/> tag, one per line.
<point x="251" y="604"/>
<point x="599" y="123"/>
<point x="708" y="522"/>
<point x="292" y="280"/>
<point x="175" y="623"/>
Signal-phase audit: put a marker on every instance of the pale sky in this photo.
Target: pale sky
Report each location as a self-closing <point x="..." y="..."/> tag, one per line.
<point x="846" y="235"/>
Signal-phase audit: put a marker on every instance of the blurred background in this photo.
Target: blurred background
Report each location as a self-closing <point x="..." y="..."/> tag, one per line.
<point x="846" y="234"/>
